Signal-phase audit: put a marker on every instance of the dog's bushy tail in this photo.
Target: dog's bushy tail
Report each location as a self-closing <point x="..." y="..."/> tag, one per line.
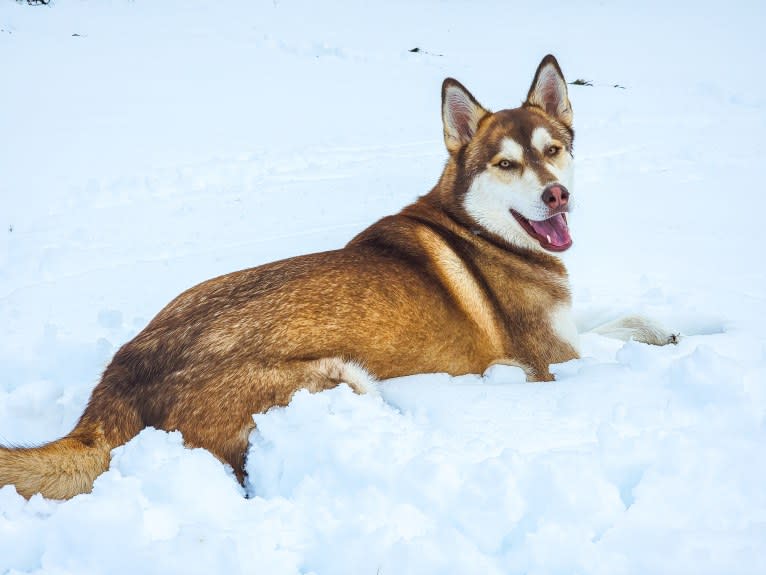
<point x="68" y="466"/>
<point x="60" y="469"/>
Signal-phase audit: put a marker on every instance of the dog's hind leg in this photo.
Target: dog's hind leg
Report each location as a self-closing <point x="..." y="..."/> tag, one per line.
<point x="218" y="414"/>
<point x="637" y="328"/>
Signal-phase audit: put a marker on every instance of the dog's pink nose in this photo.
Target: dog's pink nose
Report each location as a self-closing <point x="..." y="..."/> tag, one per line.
<point x="555" y="196"/>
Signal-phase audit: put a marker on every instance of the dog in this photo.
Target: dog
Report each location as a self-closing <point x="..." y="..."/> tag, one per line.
<point x="466" y="277"/>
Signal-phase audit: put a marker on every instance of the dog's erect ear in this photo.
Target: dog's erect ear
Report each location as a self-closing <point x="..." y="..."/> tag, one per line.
<point x="461" y="114"/>
<point x="549" y="91"/>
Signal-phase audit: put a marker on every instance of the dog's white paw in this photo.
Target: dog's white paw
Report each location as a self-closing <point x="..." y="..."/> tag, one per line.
<point x="640" y="329"/>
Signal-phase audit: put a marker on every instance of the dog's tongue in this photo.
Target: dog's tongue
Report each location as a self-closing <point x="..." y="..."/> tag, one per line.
<point x="553" y="230"/>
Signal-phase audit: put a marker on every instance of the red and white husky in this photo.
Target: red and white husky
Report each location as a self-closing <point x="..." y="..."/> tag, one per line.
<point x="466" y="277"/>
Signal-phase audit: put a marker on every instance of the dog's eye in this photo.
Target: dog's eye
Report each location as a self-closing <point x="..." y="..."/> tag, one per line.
<point x="507" y="165"/>
<point x="551" y="151"/>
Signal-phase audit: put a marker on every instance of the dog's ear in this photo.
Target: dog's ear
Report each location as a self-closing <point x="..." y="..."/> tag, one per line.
<point x="549" y="91"/>
<point x="461" y="114"/>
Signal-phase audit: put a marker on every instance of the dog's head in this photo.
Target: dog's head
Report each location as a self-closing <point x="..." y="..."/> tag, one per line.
<point x="512" y="169"/>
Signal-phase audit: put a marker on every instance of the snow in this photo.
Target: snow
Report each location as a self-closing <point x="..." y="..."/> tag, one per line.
<point x="169" y="142"/>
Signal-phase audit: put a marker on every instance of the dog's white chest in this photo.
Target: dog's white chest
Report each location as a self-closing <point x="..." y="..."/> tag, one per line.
<point x="563" y="325"/>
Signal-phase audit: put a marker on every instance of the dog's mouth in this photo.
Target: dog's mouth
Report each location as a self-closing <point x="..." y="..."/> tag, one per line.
<point x="552" y="234"/>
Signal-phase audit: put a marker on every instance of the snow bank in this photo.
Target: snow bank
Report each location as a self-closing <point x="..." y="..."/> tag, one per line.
<point x="629" y="464"/>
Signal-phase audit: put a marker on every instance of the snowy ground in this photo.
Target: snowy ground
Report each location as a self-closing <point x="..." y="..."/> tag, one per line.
<point x="146" y="146"/>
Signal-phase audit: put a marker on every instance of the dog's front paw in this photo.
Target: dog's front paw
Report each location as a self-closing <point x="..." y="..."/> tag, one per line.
<point x="640" y="329"/>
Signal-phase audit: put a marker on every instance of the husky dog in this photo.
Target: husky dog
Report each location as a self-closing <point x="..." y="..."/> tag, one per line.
<point x="466" y="277"/>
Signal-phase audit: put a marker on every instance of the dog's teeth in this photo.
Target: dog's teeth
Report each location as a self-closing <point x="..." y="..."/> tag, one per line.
<point x="548" y="238"/>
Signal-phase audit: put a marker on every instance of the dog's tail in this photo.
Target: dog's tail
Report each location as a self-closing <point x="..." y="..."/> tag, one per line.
<point x="60" y="469"/>
<point x="69" y="466"/>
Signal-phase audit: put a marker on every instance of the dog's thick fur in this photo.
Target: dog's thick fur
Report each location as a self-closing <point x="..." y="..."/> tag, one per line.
<point x="464" y="278"/>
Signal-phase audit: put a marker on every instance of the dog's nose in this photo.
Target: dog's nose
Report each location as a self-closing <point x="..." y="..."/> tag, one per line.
<point x="555" y="196"/>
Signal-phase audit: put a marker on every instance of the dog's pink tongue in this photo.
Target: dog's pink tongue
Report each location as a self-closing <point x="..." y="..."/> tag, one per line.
<point x="554" y="230"/>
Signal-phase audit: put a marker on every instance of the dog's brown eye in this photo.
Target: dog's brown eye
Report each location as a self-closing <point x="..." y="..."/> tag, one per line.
<point x="551" y="151"/>
<point x="507" y="165"/>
